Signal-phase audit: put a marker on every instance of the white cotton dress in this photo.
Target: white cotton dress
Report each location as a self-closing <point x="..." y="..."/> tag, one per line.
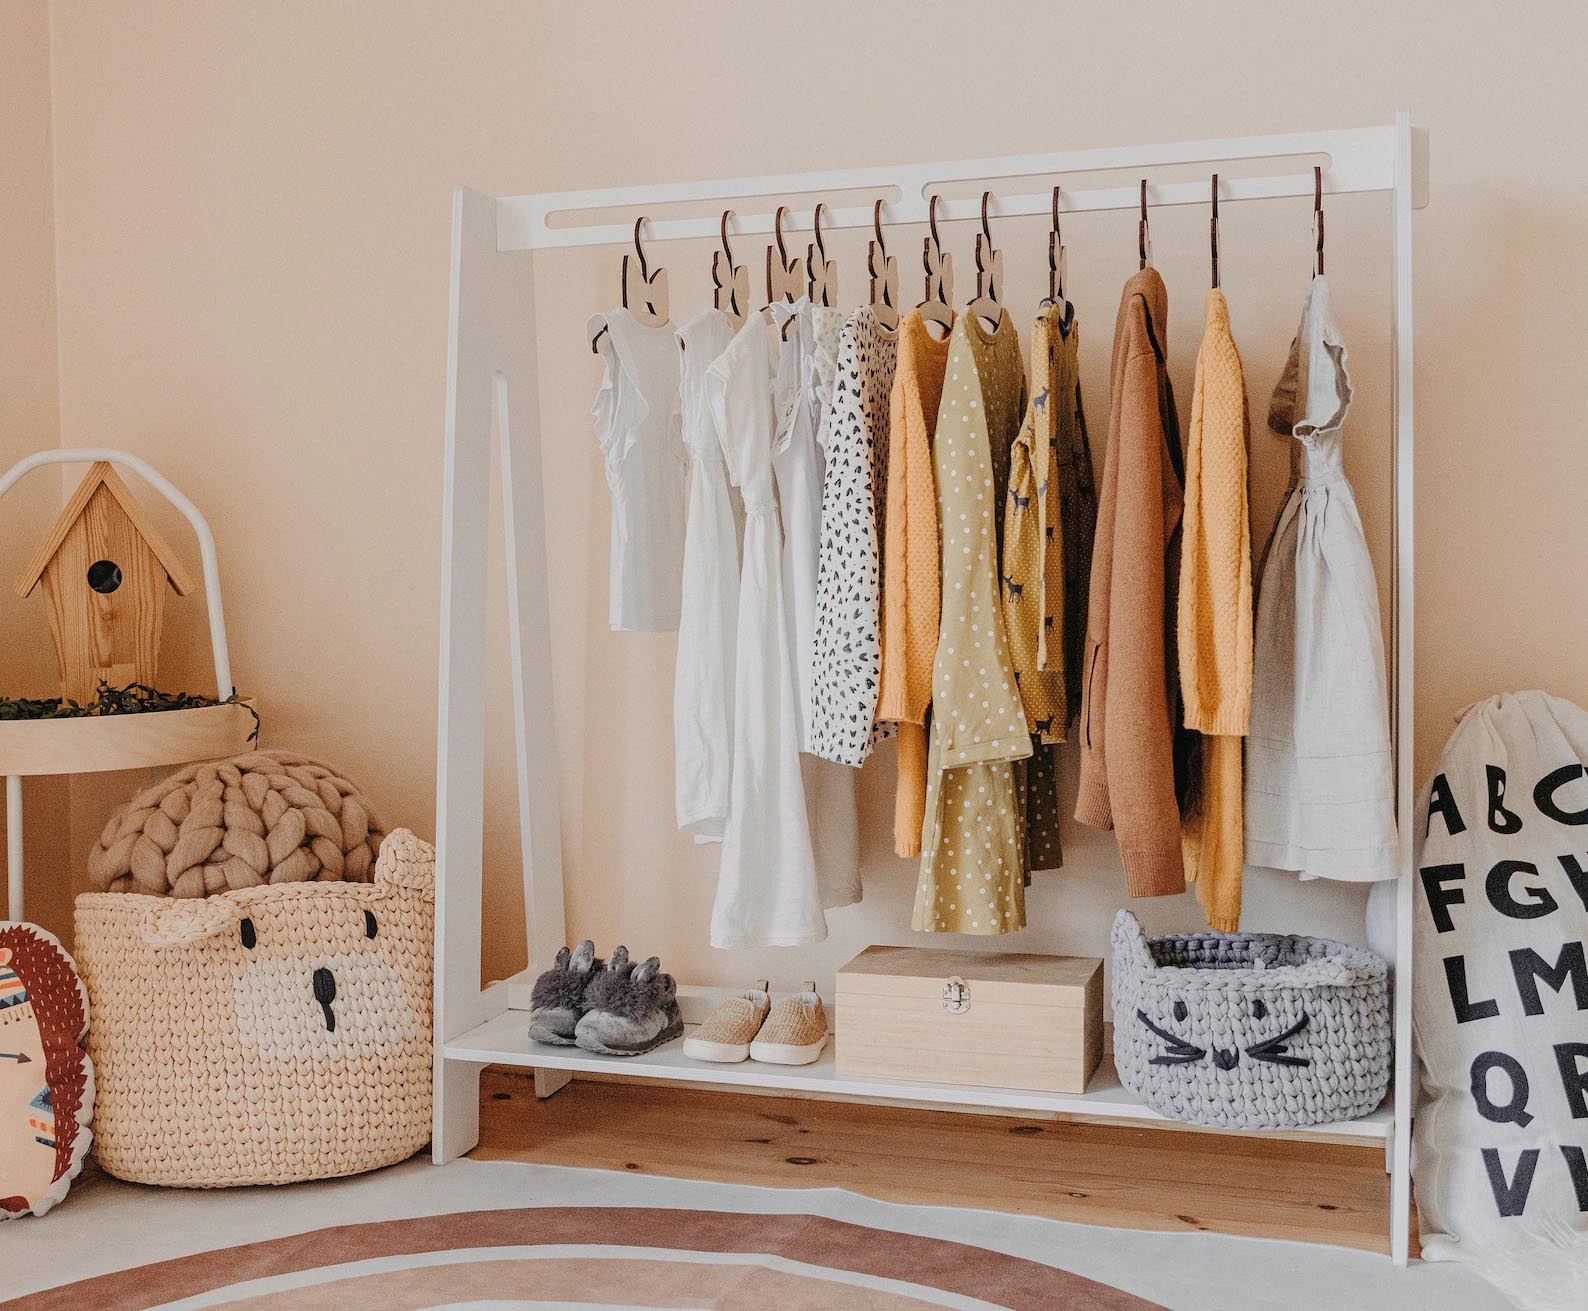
<point x="767" y="894"/>
<point x="637" y="422"/>
<point x="708" y="622"/>
<point x="807" y="362"/>
<point x="807" y="367"/>
<point x="1320" y="796"/>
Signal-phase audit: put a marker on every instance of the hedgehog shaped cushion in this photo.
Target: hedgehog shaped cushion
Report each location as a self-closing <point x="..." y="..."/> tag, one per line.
<point x="46" y="1081"/>
<point x="266" y="1035"/>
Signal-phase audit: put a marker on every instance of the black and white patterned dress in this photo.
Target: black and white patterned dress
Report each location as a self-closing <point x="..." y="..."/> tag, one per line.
<point x="847" y="666"/>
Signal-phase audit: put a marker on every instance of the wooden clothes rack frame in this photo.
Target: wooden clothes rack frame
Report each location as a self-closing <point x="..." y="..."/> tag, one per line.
<point x="492" y="373"/>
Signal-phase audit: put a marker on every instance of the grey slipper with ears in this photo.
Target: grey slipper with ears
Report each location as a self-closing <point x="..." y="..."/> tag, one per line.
<point x="631" y="1010"/>
<point x="558" y="1000"/>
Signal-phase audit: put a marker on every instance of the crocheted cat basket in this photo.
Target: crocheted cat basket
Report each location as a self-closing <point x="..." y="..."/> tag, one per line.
<point x="1249" y="1030"/>
<point x="46" y="1080"/>
<point x="264" y="817"/>
<point x="267" y="1035"/>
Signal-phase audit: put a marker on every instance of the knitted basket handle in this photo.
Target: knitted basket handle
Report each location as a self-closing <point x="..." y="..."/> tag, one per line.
<point x="190" y="919"/>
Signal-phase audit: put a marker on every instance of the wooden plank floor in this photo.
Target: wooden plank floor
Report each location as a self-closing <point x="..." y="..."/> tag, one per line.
<point x="1095" y="1174"/>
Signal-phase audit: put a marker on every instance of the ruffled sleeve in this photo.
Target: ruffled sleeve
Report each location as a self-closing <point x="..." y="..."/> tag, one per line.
<point x="620" y="407"/>
<point x="739" y="399"/>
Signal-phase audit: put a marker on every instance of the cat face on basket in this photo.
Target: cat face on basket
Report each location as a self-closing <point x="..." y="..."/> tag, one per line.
<point x="1272" y="1049"/>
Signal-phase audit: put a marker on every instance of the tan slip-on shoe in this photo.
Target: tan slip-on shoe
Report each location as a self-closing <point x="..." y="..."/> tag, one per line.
<point x="794" y="1033"/>
<point x="725" y="1036"/>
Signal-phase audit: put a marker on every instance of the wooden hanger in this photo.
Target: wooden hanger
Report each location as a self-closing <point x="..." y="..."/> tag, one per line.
<point x="783" y="281"/>
<point x="884" y="271"/>
<point x="730" y="281"/>
<point x="1317" y="220"/>
<point x="1058" y="269"/>
<point x="938" y="306"/>
<point x="642" y="287"/>
<point x="821" y="273"/>
<point x="1058" y="257"/>
<point x="1213" y="232"/>
<point x="988" y="305"/>
<point x="1143" y="234"/>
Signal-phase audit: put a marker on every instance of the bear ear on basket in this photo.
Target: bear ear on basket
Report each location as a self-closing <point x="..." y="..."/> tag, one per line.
<point x="406" y="861"/>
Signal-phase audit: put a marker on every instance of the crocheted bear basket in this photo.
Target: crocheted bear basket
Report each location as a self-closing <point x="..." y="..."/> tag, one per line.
<point x="1250" y="1030"/>
<point x="266" y="1035"/>
<point x="46" y="1080"/>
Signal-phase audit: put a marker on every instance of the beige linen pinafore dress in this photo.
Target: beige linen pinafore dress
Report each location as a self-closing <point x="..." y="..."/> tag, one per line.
<point x="1320" y="796"/>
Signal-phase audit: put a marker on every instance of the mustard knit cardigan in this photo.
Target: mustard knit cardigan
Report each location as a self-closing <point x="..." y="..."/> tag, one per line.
<point x="1214" y="619"/>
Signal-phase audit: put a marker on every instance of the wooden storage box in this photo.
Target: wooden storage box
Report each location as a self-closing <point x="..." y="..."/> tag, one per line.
<point x="995" y="1020"/>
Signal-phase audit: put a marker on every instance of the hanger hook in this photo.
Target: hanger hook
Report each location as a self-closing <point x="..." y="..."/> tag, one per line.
<point x="816" y="227"/>
<point x="726" y="254"/>
<point x="876" y="223"/>
<point x="931" y="220"/>
<point x="777" y="231"/>
<point x="1055" y="251"/>
<point x="1141" y="228"/>
<point x="639" y="249"/>
<point x="1213" y="231"/>
<point x="1317" y="219"/>
<point x="985" y="230"/>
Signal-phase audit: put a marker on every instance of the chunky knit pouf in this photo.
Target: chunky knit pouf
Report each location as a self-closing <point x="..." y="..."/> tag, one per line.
<point x="265" y="817"/>
<point x="263" y="1036"/>
<point x="1250" y="1030"/>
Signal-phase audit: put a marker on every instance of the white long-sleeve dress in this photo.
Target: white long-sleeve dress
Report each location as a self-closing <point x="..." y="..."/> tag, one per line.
<point x="767" y="893"/>
<point x="709" y="618"/>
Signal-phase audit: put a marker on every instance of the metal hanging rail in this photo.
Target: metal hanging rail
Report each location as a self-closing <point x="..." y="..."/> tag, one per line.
<point x="1359" y="160"/>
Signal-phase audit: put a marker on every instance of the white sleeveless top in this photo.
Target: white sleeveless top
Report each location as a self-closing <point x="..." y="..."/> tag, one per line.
<point x="637" y="422"/>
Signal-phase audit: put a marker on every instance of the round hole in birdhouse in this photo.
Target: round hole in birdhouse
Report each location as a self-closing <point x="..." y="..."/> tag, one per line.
<point x="104" y="576"/>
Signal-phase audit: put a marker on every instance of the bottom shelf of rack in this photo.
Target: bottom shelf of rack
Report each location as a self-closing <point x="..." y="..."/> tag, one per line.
<point x="504" y="1040"/>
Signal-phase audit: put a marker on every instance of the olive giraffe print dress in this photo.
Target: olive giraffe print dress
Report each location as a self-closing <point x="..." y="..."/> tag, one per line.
<point x="1035" y="587"/>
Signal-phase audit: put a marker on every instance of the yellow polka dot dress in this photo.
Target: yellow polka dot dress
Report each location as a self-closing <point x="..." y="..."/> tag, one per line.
<point x="972" y="843"/>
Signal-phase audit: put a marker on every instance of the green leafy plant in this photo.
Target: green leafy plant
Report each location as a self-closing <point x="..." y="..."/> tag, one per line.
<point x="133" y="699"/>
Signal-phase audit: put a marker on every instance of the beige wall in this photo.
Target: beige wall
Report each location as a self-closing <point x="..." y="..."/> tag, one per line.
<point x="252" y="207"/>
<point x="28" y="417"/>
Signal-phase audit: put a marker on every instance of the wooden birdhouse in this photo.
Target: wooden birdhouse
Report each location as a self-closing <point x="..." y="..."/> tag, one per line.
<point x="104" y="570"/>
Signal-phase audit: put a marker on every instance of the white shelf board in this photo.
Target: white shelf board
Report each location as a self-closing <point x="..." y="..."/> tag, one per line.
<point x="504" y="1040"/>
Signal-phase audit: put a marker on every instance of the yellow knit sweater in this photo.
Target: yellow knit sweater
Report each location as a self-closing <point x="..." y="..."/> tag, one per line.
<point x="910" y="569"/>
<point x="1215" y="616"/>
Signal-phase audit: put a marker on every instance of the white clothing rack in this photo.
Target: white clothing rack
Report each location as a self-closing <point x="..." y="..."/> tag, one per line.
<point x="491" y="364"/>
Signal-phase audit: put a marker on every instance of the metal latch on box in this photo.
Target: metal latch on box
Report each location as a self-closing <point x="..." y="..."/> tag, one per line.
<point x="956" y="996"/>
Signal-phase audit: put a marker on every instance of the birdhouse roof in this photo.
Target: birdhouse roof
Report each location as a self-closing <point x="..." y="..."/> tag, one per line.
<point x="104" y="475"/>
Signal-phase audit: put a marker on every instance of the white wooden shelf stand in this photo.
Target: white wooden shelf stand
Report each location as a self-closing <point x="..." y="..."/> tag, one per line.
<point x="491" y="370"/>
